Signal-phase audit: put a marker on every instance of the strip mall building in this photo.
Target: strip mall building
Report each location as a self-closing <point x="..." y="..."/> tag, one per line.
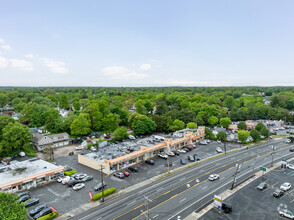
<point x="27" y="174"/>
<point x="145" y="153"/>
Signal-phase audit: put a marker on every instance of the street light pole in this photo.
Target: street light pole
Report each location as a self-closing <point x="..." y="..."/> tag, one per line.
<point x="168" y="169"/>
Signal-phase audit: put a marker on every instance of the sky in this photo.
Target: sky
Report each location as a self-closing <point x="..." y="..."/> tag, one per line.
<point x="131" y="43"/>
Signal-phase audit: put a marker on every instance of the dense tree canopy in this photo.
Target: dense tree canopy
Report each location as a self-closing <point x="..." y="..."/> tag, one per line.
<point x="10" y="209"/>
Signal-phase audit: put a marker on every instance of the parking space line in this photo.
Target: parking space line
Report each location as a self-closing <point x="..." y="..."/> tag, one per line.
<point x="155" y="216"/>
<point x="292" y="201"/>
<point x="160" y="189"/>
<point x="274" y="185"/>
<point x="205" y="187"/>
<point x="183" y="179"/>
<point x="130" y="203"/>
<point x="183" y="200"/>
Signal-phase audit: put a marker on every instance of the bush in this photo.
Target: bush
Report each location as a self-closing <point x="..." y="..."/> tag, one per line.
<point x="107" y="192"/>
<point x="69" y="173"/>
<point x="29" y="150"/>
<point x="48" y="217"/>
<point x="90" y="145"/>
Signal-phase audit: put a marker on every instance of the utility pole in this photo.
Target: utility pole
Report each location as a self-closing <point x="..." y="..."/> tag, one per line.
<point x="168" y="169"/>
<point x="274" y="148"/>
<point x="102" y="190"/>
<point x="237" y="170"/>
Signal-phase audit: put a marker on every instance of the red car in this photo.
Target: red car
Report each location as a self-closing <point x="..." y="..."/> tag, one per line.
<point x="126" y="173"/>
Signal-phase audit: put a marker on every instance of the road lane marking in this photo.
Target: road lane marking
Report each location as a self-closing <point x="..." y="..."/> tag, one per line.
<point x="183" y="179"/>
<point x="155" y="216"/>
<point x="134" y="201"/>
<point x="160" y="189"/>
<point x="205" y="187"/>
<point x="183" y="200"/>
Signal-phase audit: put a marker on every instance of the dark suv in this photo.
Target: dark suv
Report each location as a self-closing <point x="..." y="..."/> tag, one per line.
<point x="99" y="186"/>
<point x="278" y="193"/>
<point x="73" y="182"/>
<point x="134" y="169"/>
<point x="37" y="209"/>
<point x="151" y="162"/>
<point x="45" y="211"/>
<point x="191" y="159"/>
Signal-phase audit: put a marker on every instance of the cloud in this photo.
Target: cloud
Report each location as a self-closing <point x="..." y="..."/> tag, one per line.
<point x="3" y="62"/>
<point x="6" y="47"/>
<point x="145" y="66"/>
<point x="1" y="41"/>
<point x="174" y="82"/>
<point x="55" y="66"/>
<point x="22" y="64"/>
<point x="120" y="72"/>
<point x="29" y="55"/>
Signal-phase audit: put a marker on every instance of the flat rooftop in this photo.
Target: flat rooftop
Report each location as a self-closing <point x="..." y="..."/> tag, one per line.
<point x="24" y="169"/>
<point x="115" y="150"/>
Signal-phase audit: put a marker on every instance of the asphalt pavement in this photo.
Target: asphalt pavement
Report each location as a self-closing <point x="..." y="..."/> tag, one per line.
<point x="178" y="195"/>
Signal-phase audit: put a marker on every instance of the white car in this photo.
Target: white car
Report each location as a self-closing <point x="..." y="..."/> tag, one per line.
<point x="169" y="153"/>
<point x="208" y="141"/>
<point x="80" y="147"/>
<point x="218" y="141"/>
<point x="164" y="156"/>
<point x="290" y="166"/>
<point x="285" y="186"/>
<point x="93" y="148"/>
<point x="78" y="186"/>
<point x="80" y="176"/>
<point x="218" y="149"/>
<point x="286" y="213"/>
<point x="22" y="154"/>
<point x="65" y="180"/>
<point x="213" y="177"/>
<point x="203" y="142"/>
<point x="182" y="151"/>
<point x="287" y="141"/>
<point x="61" y="178"/>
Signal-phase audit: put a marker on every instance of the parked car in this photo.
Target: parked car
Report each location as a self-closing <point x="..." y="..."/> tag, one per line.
<point x="22" y="154"/>
<point x="163" y="156"/>
<point x="285" y="186"/>
<point x="286" y="213"/>
<point x="80" y="176"/>
<point x="196" y="157"/>
<point x="186" y="149"/>
<point x="262" y="186"/>
<point x="191" y="158"/>
<point x="126" y="173"/>
<point x="218" y="150"/>
<point x="183" y="162"/>
<point x="208" y="141"/>
<point x="134" y="169"/>
<point x="37" y="209"/>
<point x="67" y="168"/>
<point x="213" y="177"/>
<point x="65" y="180"/>
<point x="73" y="182"/>
<point x="218" y="141"/>
<point x="31" y="202"/>
<point x="203" y="142"/>
<point x="278" y="193"/>
<point x="151" y="162"/>
<point x="99" y="186"/>
<point x="43" y="212"/>
<point x="190" y="147"/>
<point x="227" y="207"/>
<point x="23" y="194"/>
<point x="287" y="141"/>
<point x="119" y="175"/>
<point x="182" y="151"/>
<point x="87" y="178"/>
<point x="61" y="178"/>
<point x="291" y="149"/>
<point x="24" y="198"/>
<point x="171" y="154"/>
<point x="74" y="175"/>
<point x="93" y="148"/>
<point x="78" y="186"/>
<point x="290" y="166"/>
<point x="176" y="153"/>
<point x="80" y="147"/>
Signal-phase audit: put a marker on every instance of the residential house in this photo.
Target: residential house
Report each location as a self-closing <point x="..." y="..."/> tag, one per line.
<point x="55" y="140"/>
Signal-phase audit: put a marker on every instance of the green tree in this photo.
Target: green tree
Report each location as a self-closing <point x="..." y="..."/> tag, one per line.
<point x="76" y="105"/>
<point x="14" y="137"/>
<point x="243" y="136"/>
<point x="95" y="115"/>
<point x="63" y="99"/>
<point x="225" y="122"/>
<point x="110" y="122"/>
<point x="192" y="125"/>
<point x="209" y="134"/>
<point x="229" y="102"/>
<point x="213" y="120"/>
<point x="140" y="107"/>
<point x="265" y="132"/>
<point x="66" y="123"/>
<point x="120" y="133"/>
<point x="177" y="125"/>
<point x="3" y="99"/>
<point x="141" y="124"/>
<point x="242" y="125"/>
<point x="10" y="208"/>
<point x="4" y="121"/>
<point x="81" y="125"/>
<point x="255" y="134"/>
<point x="260" y="126"/>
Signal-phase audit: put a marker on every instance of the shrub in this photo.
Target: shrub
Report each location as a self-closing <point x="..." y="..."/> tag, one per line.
<point x="69" y="173"/>
<point x="90" y="145"/>
<point x="48" y="217"/>
<point x="107" y="192"/>
<point x="29" y="150"/>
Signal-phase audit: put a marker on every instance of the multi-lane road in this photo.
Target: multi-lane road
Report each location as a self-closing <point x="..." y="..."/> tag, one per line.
<point x="178" y="195"/>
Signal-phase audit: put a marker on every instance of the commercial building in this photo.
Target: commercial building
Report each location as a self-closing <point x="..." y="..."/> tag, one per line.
<point x="122" y="157"/>
<point x="24" y="175"/>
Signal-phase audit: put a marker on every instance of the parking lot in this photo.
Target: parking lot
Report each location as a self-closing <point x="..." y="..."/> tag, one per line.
<point x="251" y="203"/>
<point x="65" y="199"/>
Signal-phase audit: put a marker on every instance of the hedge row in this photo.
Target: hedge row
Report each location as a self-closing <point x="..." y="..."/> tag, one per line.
<point x="107" y="192"/>
<point x="48" y="217"/>
<point x="69" y="173"/>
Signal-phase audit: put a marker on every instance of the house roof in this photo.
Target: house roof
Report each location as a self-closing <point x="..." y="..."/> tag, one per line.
<point x="38" y="136"/>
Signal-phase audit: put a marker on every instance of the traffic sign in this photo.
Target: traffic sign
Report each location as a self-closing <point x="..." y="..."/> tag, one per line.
<point x="263" y="169"/>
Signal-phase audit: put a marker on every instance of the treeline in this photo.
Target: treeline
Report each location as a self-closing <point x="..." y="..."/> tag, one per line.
<point x="144" y="110"/>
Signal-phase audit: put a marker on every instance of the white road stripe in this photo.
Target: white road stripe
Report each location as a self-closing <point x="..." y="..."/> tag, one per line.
<point x="155" y="216"/>
<point x="183" y="200"/>
<point x="205" y="187"/>
<point x="160" y="189"/>
<point x="131" y="202"/>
